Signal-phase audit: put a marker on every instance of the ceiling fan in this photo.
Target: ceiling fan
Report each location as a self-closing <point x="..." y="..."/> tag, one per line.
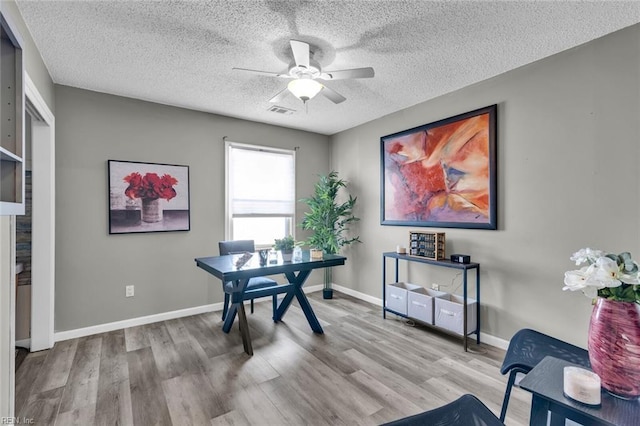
<point x="304" y="73"/>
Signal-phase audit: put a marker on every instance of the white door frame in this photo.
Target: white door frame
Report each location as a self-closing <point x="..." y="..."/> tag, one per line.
<point x="43" y="222"/>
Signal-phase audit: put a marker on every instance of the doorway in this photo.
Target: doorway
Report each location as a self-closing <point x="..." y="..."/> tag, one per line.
<point x="42" y="135"/>
<point x="23" y="255"/>
<point x="42" y="131"/>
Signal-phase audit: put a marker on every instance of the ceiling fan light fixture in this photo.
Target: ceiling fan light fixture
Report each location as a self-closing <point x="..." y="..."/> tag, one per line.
<point x="304" y="88"/>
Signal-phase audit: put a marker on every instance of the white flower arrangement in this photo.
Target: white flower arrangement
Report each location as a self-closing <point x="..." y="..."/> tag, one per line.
<point x="608" y="275"/>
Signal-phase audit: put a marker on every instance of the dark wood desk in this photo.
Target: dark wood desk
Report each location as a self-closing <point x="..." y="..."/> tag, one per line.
<point x="297" y="273"/>
<point x="545" y="382"/>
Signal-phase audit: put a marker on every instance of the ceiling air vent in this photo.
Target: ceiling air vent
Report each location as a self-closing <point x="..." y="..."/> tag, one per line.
<point x="281" y="110"/>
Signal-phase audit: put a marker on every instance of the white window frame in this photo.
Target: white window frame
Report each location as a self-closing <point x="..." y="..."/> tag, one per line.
<point x="228" y="232"/>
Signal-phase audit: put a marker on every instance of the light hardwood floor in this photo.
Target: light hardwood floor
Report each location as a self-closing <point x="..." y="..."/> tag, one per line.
<point x="363" y="370"/>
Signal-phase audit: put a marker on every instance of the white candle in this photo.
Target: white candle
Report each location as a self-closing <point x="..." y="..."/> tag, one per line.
<point x="582" y="385"/>
<point x="400" y="250"/>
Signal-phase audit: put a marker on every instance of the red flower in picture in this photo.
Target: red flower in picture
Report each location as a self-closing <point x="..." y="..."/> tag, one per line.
<point x="150" y="186"/>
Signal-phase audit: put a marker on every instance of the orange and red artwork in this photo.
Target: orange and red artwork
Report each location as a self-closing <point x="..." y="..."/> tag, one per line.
<point x="442" y="174"/>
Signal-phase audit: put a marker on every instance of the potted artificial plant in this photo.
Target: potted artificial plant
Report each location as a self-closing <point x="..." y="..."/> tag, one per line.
<point x="285" y="245"/>
<point x="328" y="219"/>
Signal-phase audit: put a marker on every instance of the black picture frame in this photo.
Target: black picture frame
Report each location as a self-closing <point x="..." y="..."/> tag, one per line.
<point x="442" y="174"/>
<point x="148" y="197"/>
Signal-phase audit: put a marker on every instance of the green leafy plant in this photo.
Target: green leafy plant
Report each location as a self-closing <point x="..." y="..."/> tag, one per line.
<point x="285" y="244"/>
<point x="327" y="219"/>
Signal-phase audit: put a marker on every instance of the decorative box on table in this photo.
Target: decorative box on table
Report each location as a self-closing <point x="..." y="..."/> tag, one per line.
<point x="429" y="245"/>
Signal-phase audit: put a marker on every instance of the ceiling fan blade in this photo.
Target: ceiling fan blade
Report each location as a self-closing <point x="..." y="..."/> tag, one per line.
<point x="279" y="96"/>
<point x="300" y="53"/>
<point x="267" y="73"/>
<point x="332" y="95"/>
<point x="344" y="74"/>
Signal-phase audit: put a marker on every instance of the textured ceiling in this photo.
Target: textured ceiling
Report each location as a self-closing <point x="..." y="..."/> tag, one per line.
<point x="182" y="52"/>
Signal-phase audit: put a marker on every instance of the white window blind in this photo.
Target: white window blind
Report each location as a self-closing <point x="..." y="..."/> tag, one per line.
<point x="260" y="192"/>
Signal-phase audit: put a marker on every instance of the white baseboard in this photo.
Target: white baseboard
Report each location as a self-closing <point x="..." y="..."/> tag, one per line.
<point x="494" y="341"/>
<point x="484" y="337"/>
<point x="117" y="325"/>
<point x="358" y="295"/>
<point x="149" y="319"/>
<point x="24" y="343"/>
<point x="312" y="288"/>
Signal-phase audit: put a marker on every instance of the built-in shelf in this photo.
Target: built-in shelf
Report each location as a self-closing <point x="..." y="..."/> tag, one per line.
<point x="9" y="156"/>
<point x="12" y="150"/>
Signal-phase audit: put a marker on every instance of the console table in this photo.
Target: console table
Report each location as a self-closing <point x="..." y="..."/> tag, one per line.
<point x="464" y="267"/>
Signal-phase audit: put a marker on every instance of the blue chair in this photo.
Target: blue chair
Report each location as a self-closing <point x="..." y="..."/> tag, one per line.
<point x="238" y="247"/>
<point x="527" y="348"/>
<point x="464" y="411"/>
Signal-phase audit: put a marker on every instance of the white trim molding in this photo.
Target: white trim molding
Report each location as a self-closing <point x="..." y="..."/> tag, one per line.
<point x="43" y="221"/>
<point x="358" y="295"/>
<point x="24" y="343"/>
<point x="149" y="319"/>
<point x="133" y="322"/>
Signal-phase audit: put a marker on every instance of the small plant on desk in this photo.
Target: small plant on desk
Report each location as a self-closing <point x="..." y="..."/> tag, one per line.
<point x="285" y="245"/>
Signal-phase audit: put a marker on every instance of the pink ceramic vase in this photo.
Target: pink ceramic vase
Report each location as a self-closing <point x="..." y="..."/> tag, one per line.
<point x="614" y="346"/>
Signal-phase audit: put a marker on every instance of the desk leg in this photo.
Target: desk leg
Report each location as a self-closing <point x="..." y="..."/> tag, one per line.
<point x="284" y="305"/>
<point x="308" y="311"/>
<point x="237" y="308"/>
<point x="296" y="291"/>
<point x="236" y="302"/>
<point x="539" y="410"/>
<point x="244" y="330"/>
<point x="231" y="316"/>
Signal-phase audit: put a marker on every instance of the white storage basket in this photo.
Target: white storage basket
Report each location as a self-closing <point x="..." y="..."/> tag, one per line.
<point x="396" y="296"/>
<point x="420" y="304"/>
<point x="449" y="313"/>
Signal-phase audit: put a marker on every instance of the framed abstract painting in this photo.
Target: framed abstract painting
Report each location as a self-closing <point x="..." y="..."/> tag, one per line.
<point x="442" y="174"/>
<point x="148" y="197"/>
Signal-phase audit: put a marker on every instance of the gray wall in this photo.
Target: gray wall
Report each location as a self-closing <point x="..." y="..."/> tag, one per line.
<point x="93" y="267"/>
<point x="568" y="154"/>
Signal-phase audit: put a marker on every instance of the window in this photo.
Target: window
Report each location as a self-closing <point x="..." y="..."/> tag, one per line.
<point x="260" y="201"/>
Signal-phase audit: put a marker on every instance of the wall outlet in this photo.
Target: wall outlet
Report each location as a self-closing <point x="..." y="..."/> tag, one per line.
<point x="129" y="291"/>
<point x="435" y="287"/>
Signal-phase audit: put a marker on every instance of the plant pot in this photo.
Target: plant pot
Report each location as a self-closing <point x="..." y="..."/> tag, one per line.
<point x="327" y="291"/>
<point x="151" y="210"/>
<point x="614" y="346"/>
<point x="287" y="256"/>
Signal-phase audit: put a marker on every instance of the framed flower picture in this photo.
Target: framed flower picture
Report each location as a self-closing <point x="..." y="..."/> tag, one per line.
<point x="442" y="174"/>
<point x="148" y="197"/>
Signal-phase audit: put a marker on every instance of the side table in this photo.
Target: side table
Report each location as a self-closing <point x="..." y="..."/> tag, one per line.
<point x="545" y="382"/>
